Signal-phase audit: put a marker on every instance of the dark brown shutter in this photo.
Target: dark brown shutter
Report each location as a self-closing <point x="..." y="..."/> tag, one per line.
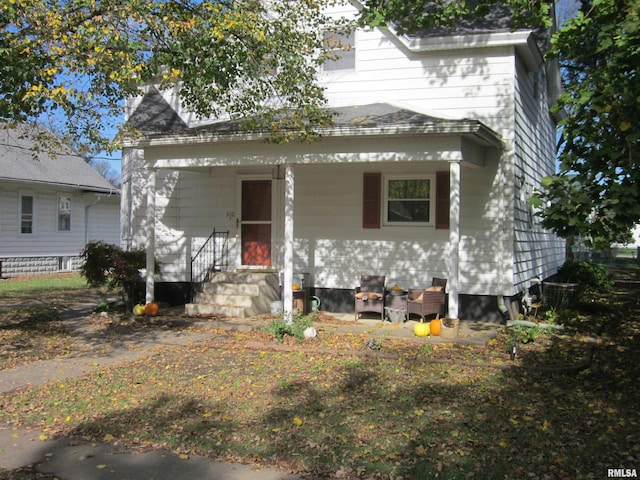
<point x="442" y="200"/>
<point x="371" y="200"/>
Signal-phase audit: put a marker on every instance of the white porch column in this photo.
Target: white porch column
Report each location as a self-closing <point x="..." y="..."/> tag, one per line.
<point x="454" y="238"/>
<point x="151" y="235"/>
<point x="289" y="190"/>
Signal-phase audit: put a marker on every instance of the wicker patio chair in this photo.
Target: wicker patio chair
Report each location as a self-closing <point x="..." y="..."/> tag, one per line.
<point x="428" y="301"/>
<point x="369" y="296"/>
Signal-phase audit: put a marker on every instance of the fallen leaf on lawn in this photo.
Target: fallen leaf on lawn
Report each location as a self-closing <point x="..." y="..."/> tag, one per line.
<point x="297" y="421"/>
<point x="108" y="438"/>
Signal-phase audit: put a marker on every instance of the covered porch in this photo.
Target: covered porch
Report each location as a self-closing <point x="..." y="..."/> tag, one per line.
<point x="375" y="139"/>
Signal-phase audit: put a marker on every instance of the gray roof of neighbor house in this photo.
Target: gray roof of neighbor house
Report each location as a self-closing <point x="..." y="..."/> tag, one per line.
<point x="64" y="168"/>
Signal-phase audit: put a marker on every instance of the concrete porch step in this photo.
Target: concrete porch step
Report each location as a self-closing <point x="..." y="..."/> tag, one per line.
<point x="228" y="288"/>
<point x="212" y="309"/>
<point x="237" y="294"/>
<point x="238" y="300"/>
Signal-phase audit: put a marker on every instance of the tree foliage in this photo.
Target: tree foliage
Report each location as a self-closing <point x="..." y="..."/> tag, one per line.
<point x="413" y="16"/>
<point x="244" y="58"/>
<point x="596" y="192"/>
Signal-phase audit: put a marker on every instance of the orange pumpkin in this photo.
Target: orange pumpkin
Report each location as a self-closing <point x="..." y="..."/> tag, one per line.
<point x="151" y="309"/>
<point x="436" y="326"/>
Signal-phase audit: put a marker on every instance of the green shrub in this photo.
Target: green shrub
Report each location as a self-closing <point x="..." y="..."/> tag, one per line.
<point x="280" y="328"/>
<point x="590" y="277"/>
<point x="108" y="265"/>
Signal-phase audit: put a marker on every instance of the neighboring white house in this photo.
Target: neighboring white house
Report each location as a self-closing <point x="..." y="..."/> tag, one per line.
<point x="439" y="141"/>
<point x="50" y="207"/>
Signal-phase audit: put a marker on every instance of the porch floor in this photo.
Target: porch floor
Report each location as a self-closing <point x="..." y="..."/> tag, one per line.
<point x="470" y="332"/>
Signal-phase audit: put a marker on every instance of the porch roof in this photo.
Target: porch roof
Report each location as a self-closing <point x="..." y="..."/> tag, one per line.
<point x="160" y="125"/>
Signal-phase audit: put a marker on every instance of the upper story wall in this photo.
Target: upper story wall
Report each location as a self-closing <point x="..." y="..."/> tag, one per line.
<point x="466" y="76"/>
<point x="473" y="83"/>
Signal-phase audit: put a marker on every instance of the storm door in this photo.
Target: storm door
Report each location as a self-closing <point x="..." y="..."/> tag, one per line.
<point x="255" y="223"/>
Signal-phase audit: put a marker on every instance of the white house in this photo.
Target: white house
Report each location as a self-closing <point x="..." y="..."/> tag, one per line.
<point x="50" y="206"/>
<point x="439" y="141"/>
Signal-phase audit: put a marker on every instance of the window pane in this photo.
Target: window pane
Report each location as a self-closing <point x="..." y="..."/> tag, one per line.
<point x="26" y="214"/>
<point x="343" y="47"/>
<point x="408" y="211"/>
<point x="256" y="200"/>
<point x="408" y="189"/>
<point x="64" y="213"/>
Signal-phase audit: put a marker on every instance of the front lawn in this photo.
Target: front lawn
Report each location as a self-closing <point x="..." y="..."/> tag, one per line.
<point x="330" y="408"/>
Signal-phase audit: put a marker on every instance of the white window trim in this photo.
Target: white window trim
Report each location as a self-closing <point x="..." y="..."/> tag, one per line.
<point x="22" y="194"/>
<point x="58" y="197"/>
<point x="385" y="199"/>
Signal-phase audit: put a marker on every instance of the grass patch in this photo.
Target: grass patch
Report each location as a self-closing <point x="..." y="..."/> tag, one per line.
<point x="30" y="326"/>
<point x="32" y="333"/>
<point x="65" y="287"/>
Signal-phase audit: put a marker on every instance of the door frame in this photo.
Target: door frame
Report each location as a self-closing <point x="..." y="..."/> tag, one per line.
<point x="248" y="177"/>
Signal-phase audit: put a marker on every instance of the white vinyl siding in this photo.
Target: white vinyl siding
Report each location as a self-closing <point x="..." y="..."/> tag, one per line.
<point x="46" y="240"/>
<point x="474" y="83"/>
<point x="538" y="252"/>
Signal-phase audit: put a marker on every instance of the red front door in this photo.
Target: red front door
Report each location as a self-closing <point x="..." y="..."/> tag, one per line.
<point x="255" y="223"/>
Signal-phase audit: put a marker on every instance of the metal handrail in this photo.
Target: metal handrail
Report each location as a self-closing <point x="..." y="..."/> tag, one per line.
<point x="213" y="256"/>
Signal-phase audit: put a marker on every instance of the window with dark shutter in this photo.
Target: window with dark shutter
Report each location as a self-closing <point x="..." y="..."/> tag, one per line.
<point x="442" y="200"/>
<point x="371" y="200"/>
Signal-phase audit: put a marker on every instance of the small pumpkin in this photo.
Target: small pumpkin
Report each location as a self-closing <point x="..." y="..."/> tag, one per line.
<point x="296" y="287"/>
<point x="435" y="326"/>
<point x="421" y="329"/>
<point x="151" y="309"/>
<point x="139" y="309"/>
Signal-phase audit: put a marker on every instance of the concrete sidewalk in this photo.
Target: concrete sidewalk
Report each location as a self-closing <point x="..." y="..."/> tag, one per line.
<point x="70" y="459"/>
<point x="67" y="459"/>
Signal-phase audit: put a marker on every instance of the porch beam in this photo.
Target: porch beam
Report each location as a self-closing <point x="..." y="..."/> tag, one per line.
<point x="289" y="192"/>
<point x="454" y="238"/>
<point x="151" y="235"/>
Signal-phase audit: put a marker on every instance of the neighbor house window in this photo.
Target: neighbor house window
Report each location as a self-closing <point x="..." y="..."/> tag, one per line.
<point x="64" y="214"/>
<point x="408" y="200"/>
<point x="26" y="214"/>
<point x="342" y="48"/>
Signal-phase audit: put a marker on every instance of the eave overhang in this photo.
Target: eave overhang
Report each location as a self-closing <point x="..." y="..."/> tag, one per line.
<point x="523" y="41"/>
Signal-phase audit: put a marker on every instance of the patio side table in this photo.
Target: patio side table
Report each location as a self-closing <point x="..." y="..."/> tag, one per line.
<point x="395" y="307"/>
